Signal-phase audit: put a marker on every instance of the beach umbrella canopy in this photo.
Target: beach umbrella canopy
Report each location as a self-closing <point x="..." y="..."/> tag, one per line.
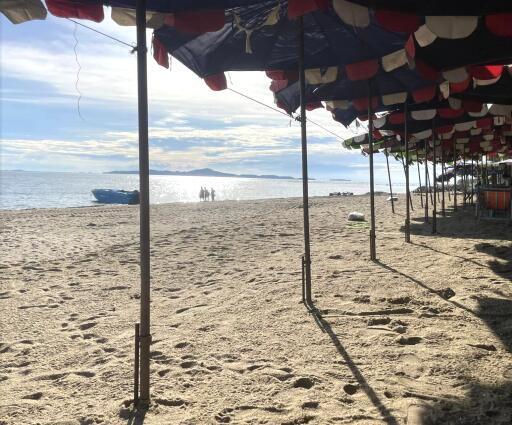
<point x="387" y="89"/>
<point x="496" y="90"/>
<point x="197" y="15"/>
<point x="495" y="137"/>
<point x="262" y="37"/>
<point x="348" y="99"/>
<point x="447" y="43"/>
<point x="435" y="7"/>
<point x="489" y="84"/>
<point x="443" y="119"/>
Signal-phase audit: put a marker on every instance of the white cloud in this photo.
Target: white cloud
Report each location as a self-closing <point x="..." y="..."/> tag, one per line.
<point x="178" y="102"/>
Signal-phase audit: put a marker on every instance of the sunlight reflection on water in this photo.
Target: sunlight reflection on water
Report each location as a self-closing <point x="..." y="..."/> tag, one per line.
<point x="46" y="190"/>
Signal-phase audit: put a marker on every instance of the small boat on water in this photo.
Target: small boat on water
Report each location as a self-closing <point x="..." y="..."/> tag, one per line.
<point x="112" y="196"/>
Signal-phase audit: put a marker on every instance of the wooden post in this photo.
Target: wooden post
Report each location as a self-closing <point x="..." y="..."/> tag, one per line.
<point x="443" y="212"/>
<point x="472" y="183"/>
<point x="373" y="248"/>
<point x="408" y="201"/>
<point x="419" y="177"/>
<point x="305" y="181"/>
<point x="426" y="181"/>
<point x="142" y="84"/>
<point x="389" y="180"/>
<point x="434" y="182"/>
<point x="430" y="191"/>
<point x="454" y="176"/>
<point x="136" y="366"/>
<point x="464" y="180"/>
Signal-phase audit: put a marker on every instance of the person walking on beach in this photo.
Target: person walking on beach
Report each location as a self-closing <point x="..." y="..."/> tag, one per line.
<point x="206" y="194"/>
<point x="212" y="192"/>
<point x="201" y="194"/>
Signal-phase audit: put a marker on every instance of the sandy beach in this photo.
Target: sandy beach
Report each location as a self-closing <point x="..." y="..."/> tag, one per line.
<point x="424" y="332"/>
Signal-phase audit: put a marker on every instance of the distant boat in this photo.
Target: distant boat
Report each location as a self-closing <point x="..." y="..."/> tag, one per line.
<point x="112" y="196"/>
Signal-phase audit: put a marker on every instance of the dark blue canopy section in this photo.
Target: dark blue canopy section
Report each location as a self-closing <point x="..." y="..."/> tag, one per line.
<point x="347" y="116"/>
<point x="402" y="80"/>
<point x="169" y="6"/>
<point x="415" y="126"/>
<point x="498" y="93"/>
<point x="244" y="44"/>
<point x="440" y="7"/>
<point x="480" y="47"/>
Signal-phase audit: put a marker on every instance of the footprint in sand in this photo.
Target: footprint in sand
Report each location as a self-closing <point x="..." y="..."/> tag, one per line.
<point x="85" y="326"/>
<point x="188" y="364"/>
<point x="163" y="372"/>
<point x="85" y="374"/>
<point x="418" y="415"/>
<point x="34" y="396"/>
<point x="224" y="416"/>
<point x="351" y="389"/>
<point x="410" y="365"/>
<point x="177" y="402"/>
<point x="5" y="295"/>
<point x="304" y="382"/>
<point x="310" y="405"/>
<point x="409" y="340"/>
<point x="159" y="357"/>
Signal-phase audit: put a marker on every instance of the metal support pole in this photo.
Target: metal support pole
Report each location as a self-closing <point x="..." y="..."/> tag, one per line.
<point x="142" y="83"/>
<point x="429" y="184"/>
<point x="410" y="198"/>
<point x="443" y="211"/>
<point x="389" y="179"/>
<point x="303" y="280"/>
<point x="479" y="183"/>
<point x="419" y="177"/>
<point x="426" y="181"/>
<point x="447" y="189"/>
<point x="464" y="180"/>
<point x="373" y="248"/>
<point x="434" y="182"/>
<point x="136" y="364"/>
<point x="454" y="176"/>
<point x="486" y="172"/>
<point x="305" y="182"/>
<point x="408" y="201"/>
<point x="472" y="183"/>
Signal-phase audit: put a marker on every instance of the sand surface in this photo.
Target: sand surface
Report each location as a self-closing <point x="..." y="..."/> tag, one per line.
<point x="423" y="334"/>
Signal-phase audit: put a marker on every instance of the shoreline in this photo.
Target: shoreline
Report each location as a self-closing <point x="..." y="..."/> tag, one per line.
<point x="99" y="205"/>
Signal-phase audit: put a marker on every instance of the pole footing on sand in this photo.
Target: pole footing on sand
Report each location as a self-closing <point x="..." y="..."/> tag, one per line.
<point x="144" y="344"/>
<point x="373" y="250"/>
<point x="136" y="365"/>
<point x="407" y="231"/>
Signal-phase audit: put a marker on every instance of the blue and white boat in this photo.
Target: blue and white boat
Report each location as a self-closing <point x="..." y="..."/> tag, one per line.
<point x="112" y="196"/>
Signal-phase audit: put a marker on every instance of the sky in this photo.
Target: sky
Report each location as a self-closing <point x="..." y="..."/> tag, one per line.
<point x="59" y="112"/>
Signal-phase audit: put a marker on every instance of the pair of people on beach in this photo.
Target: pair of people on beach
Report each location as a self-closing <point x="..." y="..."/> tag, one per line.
<point x="204" y="194"/>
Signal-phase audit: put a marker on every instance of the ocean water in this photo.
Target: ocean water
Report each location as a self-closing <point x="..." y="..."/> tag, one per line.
<point x="23" y="189"/>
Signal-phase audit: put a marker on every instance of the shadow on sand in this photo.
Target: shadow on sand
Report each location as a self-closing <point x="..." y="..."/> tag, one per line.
<point x="461" y="224"/>
<point x="502" y="263"/>
<point x="483" y="404"/>
<point x="135" y="415"/>
<point x="325" y="326"/>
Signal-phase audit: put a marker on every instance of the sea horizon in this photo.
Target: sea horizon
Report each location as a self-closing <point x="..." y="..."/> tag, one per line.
<point x="22" y="189"/>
